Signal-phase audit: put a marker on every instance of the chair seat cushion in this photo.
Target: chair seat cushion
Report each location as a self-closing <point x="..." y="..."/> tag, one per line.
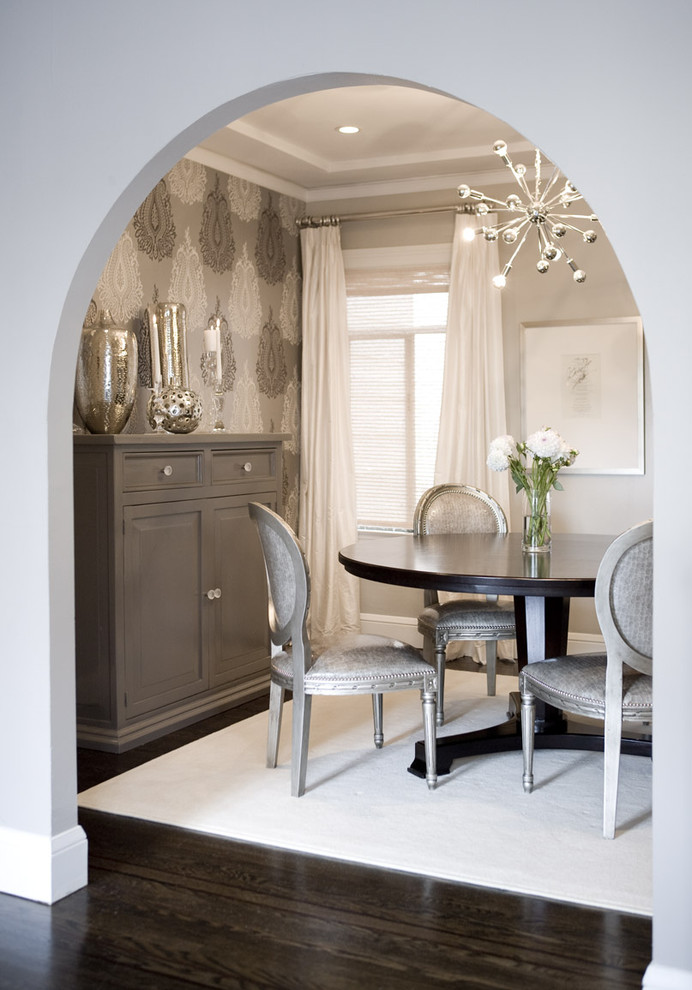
<point x="577" y="684"/>
<point x="458" y="619"/>
<point x="361" y="663"/>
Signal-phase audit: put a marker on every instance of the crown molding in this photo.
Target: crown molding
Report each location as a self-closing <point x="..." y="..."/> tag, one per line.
<point x="398" y="187"/>
<point x="356" y="190"/>
<point x="329" y="167"/>
<point x="232" y="167"/>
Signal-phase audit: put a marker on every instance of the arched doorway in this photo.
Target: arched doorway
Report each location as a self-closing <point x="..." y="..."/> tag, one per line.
<point x="356" y="80"/>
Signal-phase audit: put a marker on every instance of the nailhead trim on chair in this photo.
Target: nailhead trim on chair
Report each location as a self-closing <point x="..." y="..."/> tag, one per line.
<point x="587" y="685"/>
<point x="482" y="617"/>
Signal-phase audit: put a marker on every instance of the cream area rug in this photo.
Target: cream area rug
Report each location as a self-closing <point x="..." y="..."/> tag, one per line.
<point x="362" y="805"/>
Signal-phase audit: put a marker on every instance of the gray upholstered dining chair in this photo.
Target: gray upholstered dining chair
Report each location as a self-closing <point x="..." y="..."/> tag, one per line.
<point x="616" y="685"/>
<point x="356" y="665"/>
<point x="452" y="508"/>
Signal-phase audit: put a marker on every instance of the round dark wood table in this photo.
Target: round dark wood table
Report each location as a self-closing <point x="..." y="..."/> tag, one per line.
<point x="542" y="585"/>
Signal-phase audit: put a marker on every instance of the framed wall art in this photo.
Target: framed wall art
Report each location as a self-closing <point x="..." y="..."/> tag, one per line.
<point x="585" y="379"/>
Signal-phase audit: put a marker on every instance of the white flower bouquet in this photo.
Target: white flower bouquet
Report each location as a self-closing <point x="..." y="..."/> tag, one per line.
<point x="534" y="465"/>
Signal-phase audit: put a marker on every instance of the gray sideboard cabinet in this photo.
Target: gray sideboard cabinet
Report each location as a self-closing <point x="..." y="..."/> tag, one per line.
<point x="170" y="590"/>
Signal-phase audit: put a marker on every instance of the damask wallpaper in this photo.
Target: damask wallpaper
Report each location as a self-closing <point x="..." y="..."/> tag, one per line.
<point x="226" y="248"/>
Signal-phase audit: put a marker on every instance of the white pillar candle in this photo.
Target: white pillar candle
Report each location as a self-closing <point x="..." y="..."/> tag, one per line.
<point x="210" y="340"/>
<point x="218" y="351"/>
<point x="154" y="345"/>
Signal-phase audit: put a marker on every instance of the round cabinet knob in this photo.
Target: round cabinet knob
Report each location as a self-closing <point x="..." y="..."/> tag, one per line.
<point x="168" y="470"/>
<point x="213" y="593"/>
<point x="217" y="592"/>
<point x="247" y="466"/>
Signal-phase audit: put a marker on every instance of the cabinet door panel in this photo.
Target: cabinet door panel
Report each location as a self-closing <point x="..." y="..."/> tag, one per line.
<point x="93" y="588"/>
<point x="240" y="639"/>
<point x="164" y="645"/>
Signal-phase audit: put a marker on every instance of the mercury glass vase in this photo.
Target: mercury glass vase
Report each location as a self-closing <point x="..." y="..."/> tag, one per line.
<point x="536" y="533"/>
<point x="106" y="377"/>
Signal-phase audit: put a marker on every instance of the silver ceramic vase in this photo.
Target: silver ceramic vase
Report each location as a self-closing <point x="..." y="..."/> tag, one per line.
<point x="170" y="322"/>
<point x="179" y="410"/>
<point x="106" y="378"/>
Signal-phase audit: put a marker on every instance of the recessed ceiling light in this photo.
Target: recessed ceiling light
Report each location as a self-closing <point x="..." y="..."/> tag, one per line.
<point x="348" y="129"/>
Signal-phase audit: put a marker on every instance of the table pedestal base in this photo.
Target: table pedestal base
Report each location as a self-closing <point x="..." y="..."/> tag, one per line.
<point x="553" y="731"/>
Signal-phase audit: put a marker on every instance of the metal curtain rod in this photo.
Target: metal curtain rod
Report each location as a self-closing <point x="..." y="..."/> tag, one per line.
<point x="382" y="215"/>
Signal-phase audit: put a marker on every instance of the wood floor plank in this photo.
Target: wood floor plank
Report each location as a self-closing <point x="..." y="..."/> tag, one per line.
<point x="395" y="930"/>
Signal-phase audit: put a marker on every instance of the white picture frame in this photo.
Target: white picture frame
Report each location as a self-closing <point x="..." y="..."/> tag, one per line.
<point x="585" y="379"/>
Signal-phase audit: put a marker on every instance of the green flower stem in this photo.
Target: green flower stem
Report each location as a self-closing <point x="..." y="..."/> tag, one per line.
<point x="538" y="533"/>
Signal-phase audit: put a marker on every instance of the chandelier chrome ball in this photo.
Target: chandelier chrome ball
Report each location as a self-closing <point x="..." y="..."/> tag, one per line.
<point x="537" y="210"/>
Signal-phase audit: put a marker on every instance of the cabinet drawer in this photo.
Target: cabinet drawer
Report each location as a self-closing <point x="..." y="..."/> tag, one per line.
<point x="165" y="469"/>
<point x="243" y="466"/>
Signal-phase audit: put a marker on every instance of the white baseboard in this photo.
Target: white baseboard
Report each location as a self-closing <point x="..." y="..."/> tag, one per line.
<point x="406" y="628"/>
<point x="42" y="867"/>
<point x="658" y="977"/>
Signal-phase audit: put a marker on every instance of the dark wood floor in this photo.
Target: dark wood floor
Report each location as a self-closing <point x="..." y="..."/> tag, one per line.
<point x="168" y="909"/>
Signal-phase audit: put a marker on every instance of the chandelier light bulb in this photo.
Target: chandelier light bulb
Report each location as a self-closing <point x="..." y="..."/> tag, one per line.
<point x="559" y="230"/>
<point x="482" y="209"/>
<point x="590" y="236"/>
<point x="510" y="235"/>
<point x="543" y="266"/>
<point x="500" y="148"/>
<point x="579" y="276"/>
<point x="513" y="202"/>
<point x="550" y="252"/>
<point x="464" y="191"/>
<point x="499" y="281"/>
<point x="490" y="234"/>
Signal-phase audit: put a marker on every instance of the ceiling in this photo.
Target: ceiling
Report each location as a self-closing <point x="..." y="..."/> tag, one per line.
<point x="410" y="140"/>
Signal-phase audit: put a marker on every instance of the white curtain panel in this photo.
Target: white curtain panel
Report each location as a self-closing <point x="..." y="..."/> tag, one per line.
<point x="327" y="485"/>
<point x="473" y="390"/>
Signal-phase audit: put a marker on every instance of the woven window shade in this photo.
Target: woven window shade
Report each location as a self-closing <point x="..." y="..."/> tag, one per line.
<point x="397" y="323"/>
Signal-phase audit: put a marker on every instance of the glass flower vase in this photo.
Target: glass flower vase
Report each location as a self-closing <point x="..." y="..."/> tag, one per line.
<point x="536" y="534"/>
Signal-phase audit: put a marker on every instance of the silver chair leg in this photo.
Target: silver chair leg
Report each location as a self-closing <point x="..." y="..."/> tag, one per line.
<point x="276" y="707"/>
<point x="528" y="719"/>
<point x="611" y="771"/>
<point x="302" y="707"/>
<point x="440" y="661"/>
<point x="378" y="720"/>
<point x="428" y="698"/>
<point x="491" y="664"/>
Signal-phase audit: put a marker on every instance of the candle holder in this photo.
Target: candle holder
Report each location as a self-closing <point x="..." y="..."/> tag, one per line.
<point x="210" y="368"/>
<point x="217" y="406"/>
<point x="155" y="409"/>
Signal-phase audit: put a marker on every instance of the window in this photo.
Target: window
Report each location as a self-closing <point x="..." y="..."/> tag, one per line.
<point x="397" y="324"/>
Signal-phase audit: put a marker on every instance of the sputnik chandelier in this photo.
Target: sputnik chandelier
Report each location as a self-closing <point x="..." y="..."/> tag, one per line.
<point x="539" y="211"/>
